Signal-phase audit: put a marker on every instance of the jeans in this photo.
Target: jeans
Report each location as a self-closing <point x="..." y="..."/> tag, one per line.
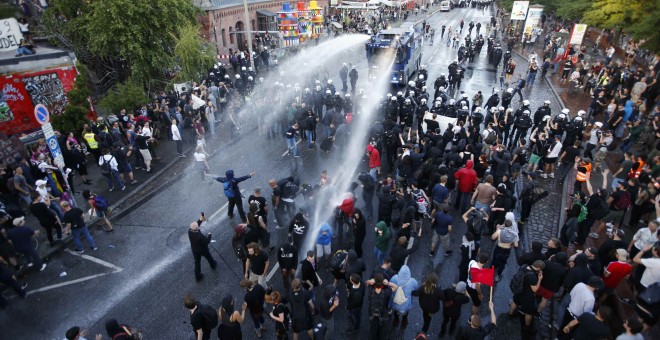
<point x="517" y="90"/>
<point x="355" y="318"/>
<point x="530" y="78"/>
<point x="32" y="256"/>
<point x="374" y="174"/>
<point x="563" y="305"/>
<point x="564" y="169"/>
<point x="198" y="259"/>
<point x="308" y="134"/>
<point x="616" y="181"/>
<point x="211" y="118"/>
<point x="76" y="237"/>
<point x="484" y="207"/>
<point x="292" y="147"/>
<point x="380" y="255"/>
<point x="114" y="179"/>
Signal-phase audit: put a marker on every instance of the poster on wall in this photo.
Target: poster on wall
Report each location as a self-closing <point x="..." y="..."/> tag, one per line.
<point x="10" y="35"/>
<point x="19" y="93"/>
<point x="519" y="10"/>
<point x="533" y="19"/>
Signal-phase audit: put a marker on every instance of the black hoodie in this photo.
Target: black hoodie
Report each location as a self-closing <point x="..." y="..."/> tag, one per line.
<point x="354" y="265"/>
<point x="579" y="273"/>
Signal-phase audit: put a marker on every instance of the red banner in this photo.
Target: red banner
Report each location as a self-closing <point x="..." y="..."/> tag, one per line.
<point x="484" y="276"/>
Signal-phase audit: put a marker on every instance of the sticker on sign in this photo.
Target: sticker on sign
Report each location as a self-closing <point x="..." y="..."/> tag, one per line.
<point x="41" y="114"/>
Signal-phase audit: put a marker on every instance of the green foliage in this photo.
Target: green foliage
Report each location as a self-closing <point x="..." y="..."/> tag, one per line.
<point x="192" y="53"/>
<point x="128" y="95"/>
<point x="645" y="29"/>
<point x="637" y="17"/>
<point x="572" y="9"/>
<point x="139" y="34"/>
<point x="74" y="115"/>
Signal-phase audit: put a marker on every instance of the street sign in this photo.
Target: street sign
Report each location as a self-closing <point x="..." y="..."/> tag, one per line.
<point x="53" y="145"/>
<point x="41" y="114"/>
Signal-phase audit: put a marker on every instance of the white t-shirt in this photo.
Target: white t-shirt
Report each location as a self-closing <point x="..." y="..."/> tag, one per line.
<point x="652" y="272"/>
<point x="200" y="157"/>
<point x="554" y="152"/>
<point x="473" y="264"/>
<point x="43" y="192"/>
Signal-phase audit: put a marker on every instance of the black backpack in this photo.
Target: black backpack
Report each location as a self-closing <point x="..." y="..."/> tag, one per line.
<point x="378" y="304"/>
<point x="299" y="308"/>
<point x="106" y="169"/>
<point x="476" y="223"/>
<point x="210" y="315"/>
<point x="517" y="281"/>
<point x="338" y="260"/>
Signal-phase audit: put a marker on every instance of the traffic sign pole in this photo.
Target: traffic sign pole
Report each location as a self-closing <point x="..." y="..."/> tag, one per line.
<point x="43" y="117"/>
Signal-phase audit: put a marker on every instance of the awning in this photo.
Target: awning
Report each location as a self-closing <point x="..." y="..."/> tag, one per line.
<point x="265" y="13"/>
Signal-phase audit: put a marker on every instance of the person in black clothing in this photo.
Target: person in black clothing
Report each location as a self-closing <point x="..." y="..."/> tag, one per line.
<point x="297" y="229"/>
<point x="287" y="257"/>
<point x="430" y="295"/>
<point x="46" y="217"/>
<point x="379" y="296"/>
<point x="233" y="193"/>
<point x="354" y="300"/>
<point x="368" y="191"/>
<point x="302" y="309"/>
<point x="359" y="227"/>
<point x="580" y="272"/>
<point x="385" y="268"/>
<point x="328" y="302"/>
<point x="554" y="272"/>
<point x="199" y="243"/>
<point x="554" y="247"/>
<point x="386" y="201"/>
<point x="615" y="242"/>
<point x="525" y="301"/>
<point x="474" y="330"/>
<point x="589" y="326"/>
<point x="454" y="299"/>
<point x="400" y="251"/>
<point x="354" y="265"/>
<point x="310" y="279"/>
<point x="530" y="257"/>
<point x="200" y="318"/>
<point x="254" y="298"/>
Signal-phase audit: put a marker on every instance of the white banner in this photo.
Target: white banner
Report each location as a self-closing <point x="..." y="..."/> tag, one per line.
<point x="519" y="10"/>
<point x="10" y="35"/>
<point x="578" y="34"/>
<point x="533" y="19"/>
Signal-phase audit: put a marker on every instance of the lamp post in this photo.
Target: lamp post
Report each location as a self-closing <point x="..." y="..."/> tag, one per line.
<point x="248" y="29"/>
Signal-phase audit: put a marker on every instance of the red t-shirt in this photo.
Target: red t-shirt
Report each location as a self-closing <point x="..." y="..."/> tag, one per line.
<point x="618" y="270"/>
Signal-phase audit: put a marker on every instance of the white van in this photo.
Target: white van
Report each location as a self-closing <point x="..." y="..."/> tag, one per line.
<point x="445" y="6"/>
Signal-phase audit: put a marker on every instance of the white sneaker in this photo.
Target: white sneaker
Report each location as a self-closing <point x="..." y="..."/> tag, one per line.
<point x="544" y="175"/>
<point x="552" y="175"/>
<point x="30" y="264"/>
<point x="43" y="266"/>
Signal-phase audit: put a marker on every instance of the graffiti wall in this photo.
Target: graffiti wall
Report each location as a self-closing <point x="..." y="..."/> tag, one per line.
<point x="19" y="93"/>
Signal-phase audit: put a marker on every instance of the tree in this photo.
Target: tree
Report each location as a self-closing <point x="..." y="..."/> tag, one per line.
<point x="192" y="53"/>
<point x="75" y="112"/>
<point x="128" y="95"/>
<point x="637" y="17"/>
<point x="572" y="9"/>
<point x="130" y="37"/>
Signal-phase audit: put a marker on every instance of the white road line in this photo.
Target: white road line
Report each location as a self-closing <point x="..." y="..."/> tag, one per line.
<point x="67" y="283"/>
<point x="115" y="269"/>
<point x="433" y="55"/>
<point x="410" y="244"/>
<point x="287" y="150"/>
<point x="96" y="260"/>
<point x="215" y="214"/>
<point x="276" y="267"/>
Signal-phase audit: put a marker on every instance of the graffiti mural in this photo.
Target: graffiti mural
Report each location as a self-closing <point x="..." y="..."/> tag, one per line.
<point x="5" y="111"/>
<point x="47" y="89"/>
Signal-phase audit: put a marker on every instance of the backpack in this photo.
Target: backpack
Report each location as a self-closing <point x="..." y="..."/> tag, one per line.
<point x="338" y="260"/>
<point x="400" y="296"/>
<point x="421" y="201"/>
<point x="106" y="169"/>
<point x="517" y="281"/>
<point x="602" y="210"/>
<point x="623" y="203"/>
<point x="583" y="212"/>
<point x="228" y="188"/>
<point x="491" y="138"/>
<point x="299" y="312"/>
<point x="538" y="194"/>
<point x="476" y="223"/>
<point x="287" y="322"/>
<point x="507" y="235"/>
<point x="377" y="305"/>
<point x="100" y="203"/>
<point x="210" y="315"/>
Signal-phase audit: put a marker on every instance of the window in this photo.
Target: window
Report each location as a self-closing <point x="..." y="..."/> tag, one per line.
<point x="231" y="36"/>
<point x="224" y="40"/>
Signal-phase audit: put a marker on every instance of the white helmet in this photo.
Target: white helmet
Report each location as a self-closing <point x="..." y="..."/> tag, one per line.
<point x="581" y="113"/>
<point x="437" y="104"/>
<point x="501" y="108"/>
<point x="423" y="101"/>
<point x="329" y="81"/>
<point x="493" y="109"/>
<point x="547" y="102"/>
<point x="565" y="111"/>
<point x="441" y="89"/>
<point x="412" y="93"/>
<point x="407" y="101"/>
<point x="561" y="116"/>
<point x="318" y="88"/>
<point x="328" y="92"/>
<point x="578" y="119"/>
<point x="317" y="81"/>
<point x="243" y="68"/>
<point x="452" y="101"/>
<point x="509" y="90"/>
<point x="526" y="112"/>
<point x="465" y="95"/>
<point x="443" y="74"/>
<point x="250" y="78"/>
<point x="238" y="76"/>
<point x="389" y="95"/>
<point x="423" y="88"/>
<point x="464" y="108"/>
<point x="337" y="93"/>
<point x="421" y="77"/>
<point x="250" y="68"/>
<point x="348" y="95"/>
<point x="393" y="98"/>
<point x="545" y="118"/>
<point x="422" y="67"/>
<point x="399" y="93"/>
<point x="525" y="102"/>
<point x="307" y="89"/>
<point x="438" y="100"/>
<point x="411" y="83"/>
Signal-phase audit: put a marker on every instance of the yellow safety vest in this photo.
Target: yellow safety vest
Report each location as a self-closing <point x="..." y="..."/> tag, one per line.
<point x="91" y="140"/>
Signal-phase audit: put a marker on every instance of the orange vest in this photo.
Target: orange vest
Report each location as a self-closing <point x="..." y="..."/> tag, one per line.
<point x="581" y="176"/>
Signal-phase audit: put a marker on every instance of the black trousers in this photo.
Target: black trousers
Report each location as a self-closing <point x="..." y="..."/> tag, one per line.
<point x="238" y="202"/>
<point x="451" y="320"/>
<point x="179" y="147"/>
<point x="198" y="260"/>
<point x="49" y="231"/>
<point x="7" y="278"/>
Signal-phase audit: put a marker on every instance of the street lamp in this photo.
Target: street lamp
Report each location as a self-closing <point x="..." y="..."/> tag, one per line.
<point x="248" y="25"/>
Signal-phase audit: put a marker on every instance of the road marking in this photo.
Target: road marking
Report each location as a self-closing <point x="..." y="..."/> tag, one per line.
<point x="287" y="150"/>
<point x="115" y="269"/>
<point x="433" y="55"/>
<point x="215" y="214"/>
<point x="410" y="244"/>
<point x="272" y="271"/>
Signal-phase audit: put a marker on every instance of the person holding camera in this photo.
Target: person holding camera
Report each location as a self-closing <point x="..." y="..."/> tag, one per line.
<point x="199" y="243"/>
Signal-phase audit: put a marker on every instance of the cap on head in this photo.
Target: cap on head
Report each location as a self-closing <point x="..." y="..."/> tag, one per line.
<point x="598" y="124"/>
<point x="460" y="287"/>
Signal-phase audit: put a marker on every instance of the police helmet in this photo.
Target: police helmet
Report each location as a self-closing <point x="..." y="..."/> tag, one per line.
<point x="423" y="100"/>
<point x="581" y="113"/>
<point x="525" y="102"/>
<point x="328" y="92"/>
<point x="526" y="112"/>
<point x="561" y="116"/>
<point x="389" y="95"/>
<point x="423" y="88"/>
<point x="452" y="101"/>
<point x="464" y="95"/>
<point x="238" y="76"/>
<point x="348" y="95"/>
<point x="443" y="75"/>
<point x="399" y="93"/>
<point x="393" y="98"/>
<point x="509" y="90"/>
<point x="421" y="77"/>
<point x="422" y="67"/>
<point x="317" y="81"/>
<point x="441" y="89"/>
<point x="412" y="93"/>
<point x="411" y="83"/>
<point x="250" y="68"/>
<point x="307" y="89"/>
<point x="318" y="88"/>
<point x="337" y="93"/>
<point x="501" y="108"/>
<point x="407" y="101"/>
<point x="565" y="111"/>
<point x="578" y="119"/>
<point x="243" y="68"/>
<point x="464" y="108"/>
<point x="250" y="78"/>
<point x="547" y="102"/>
<point x="329" y="81"/>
